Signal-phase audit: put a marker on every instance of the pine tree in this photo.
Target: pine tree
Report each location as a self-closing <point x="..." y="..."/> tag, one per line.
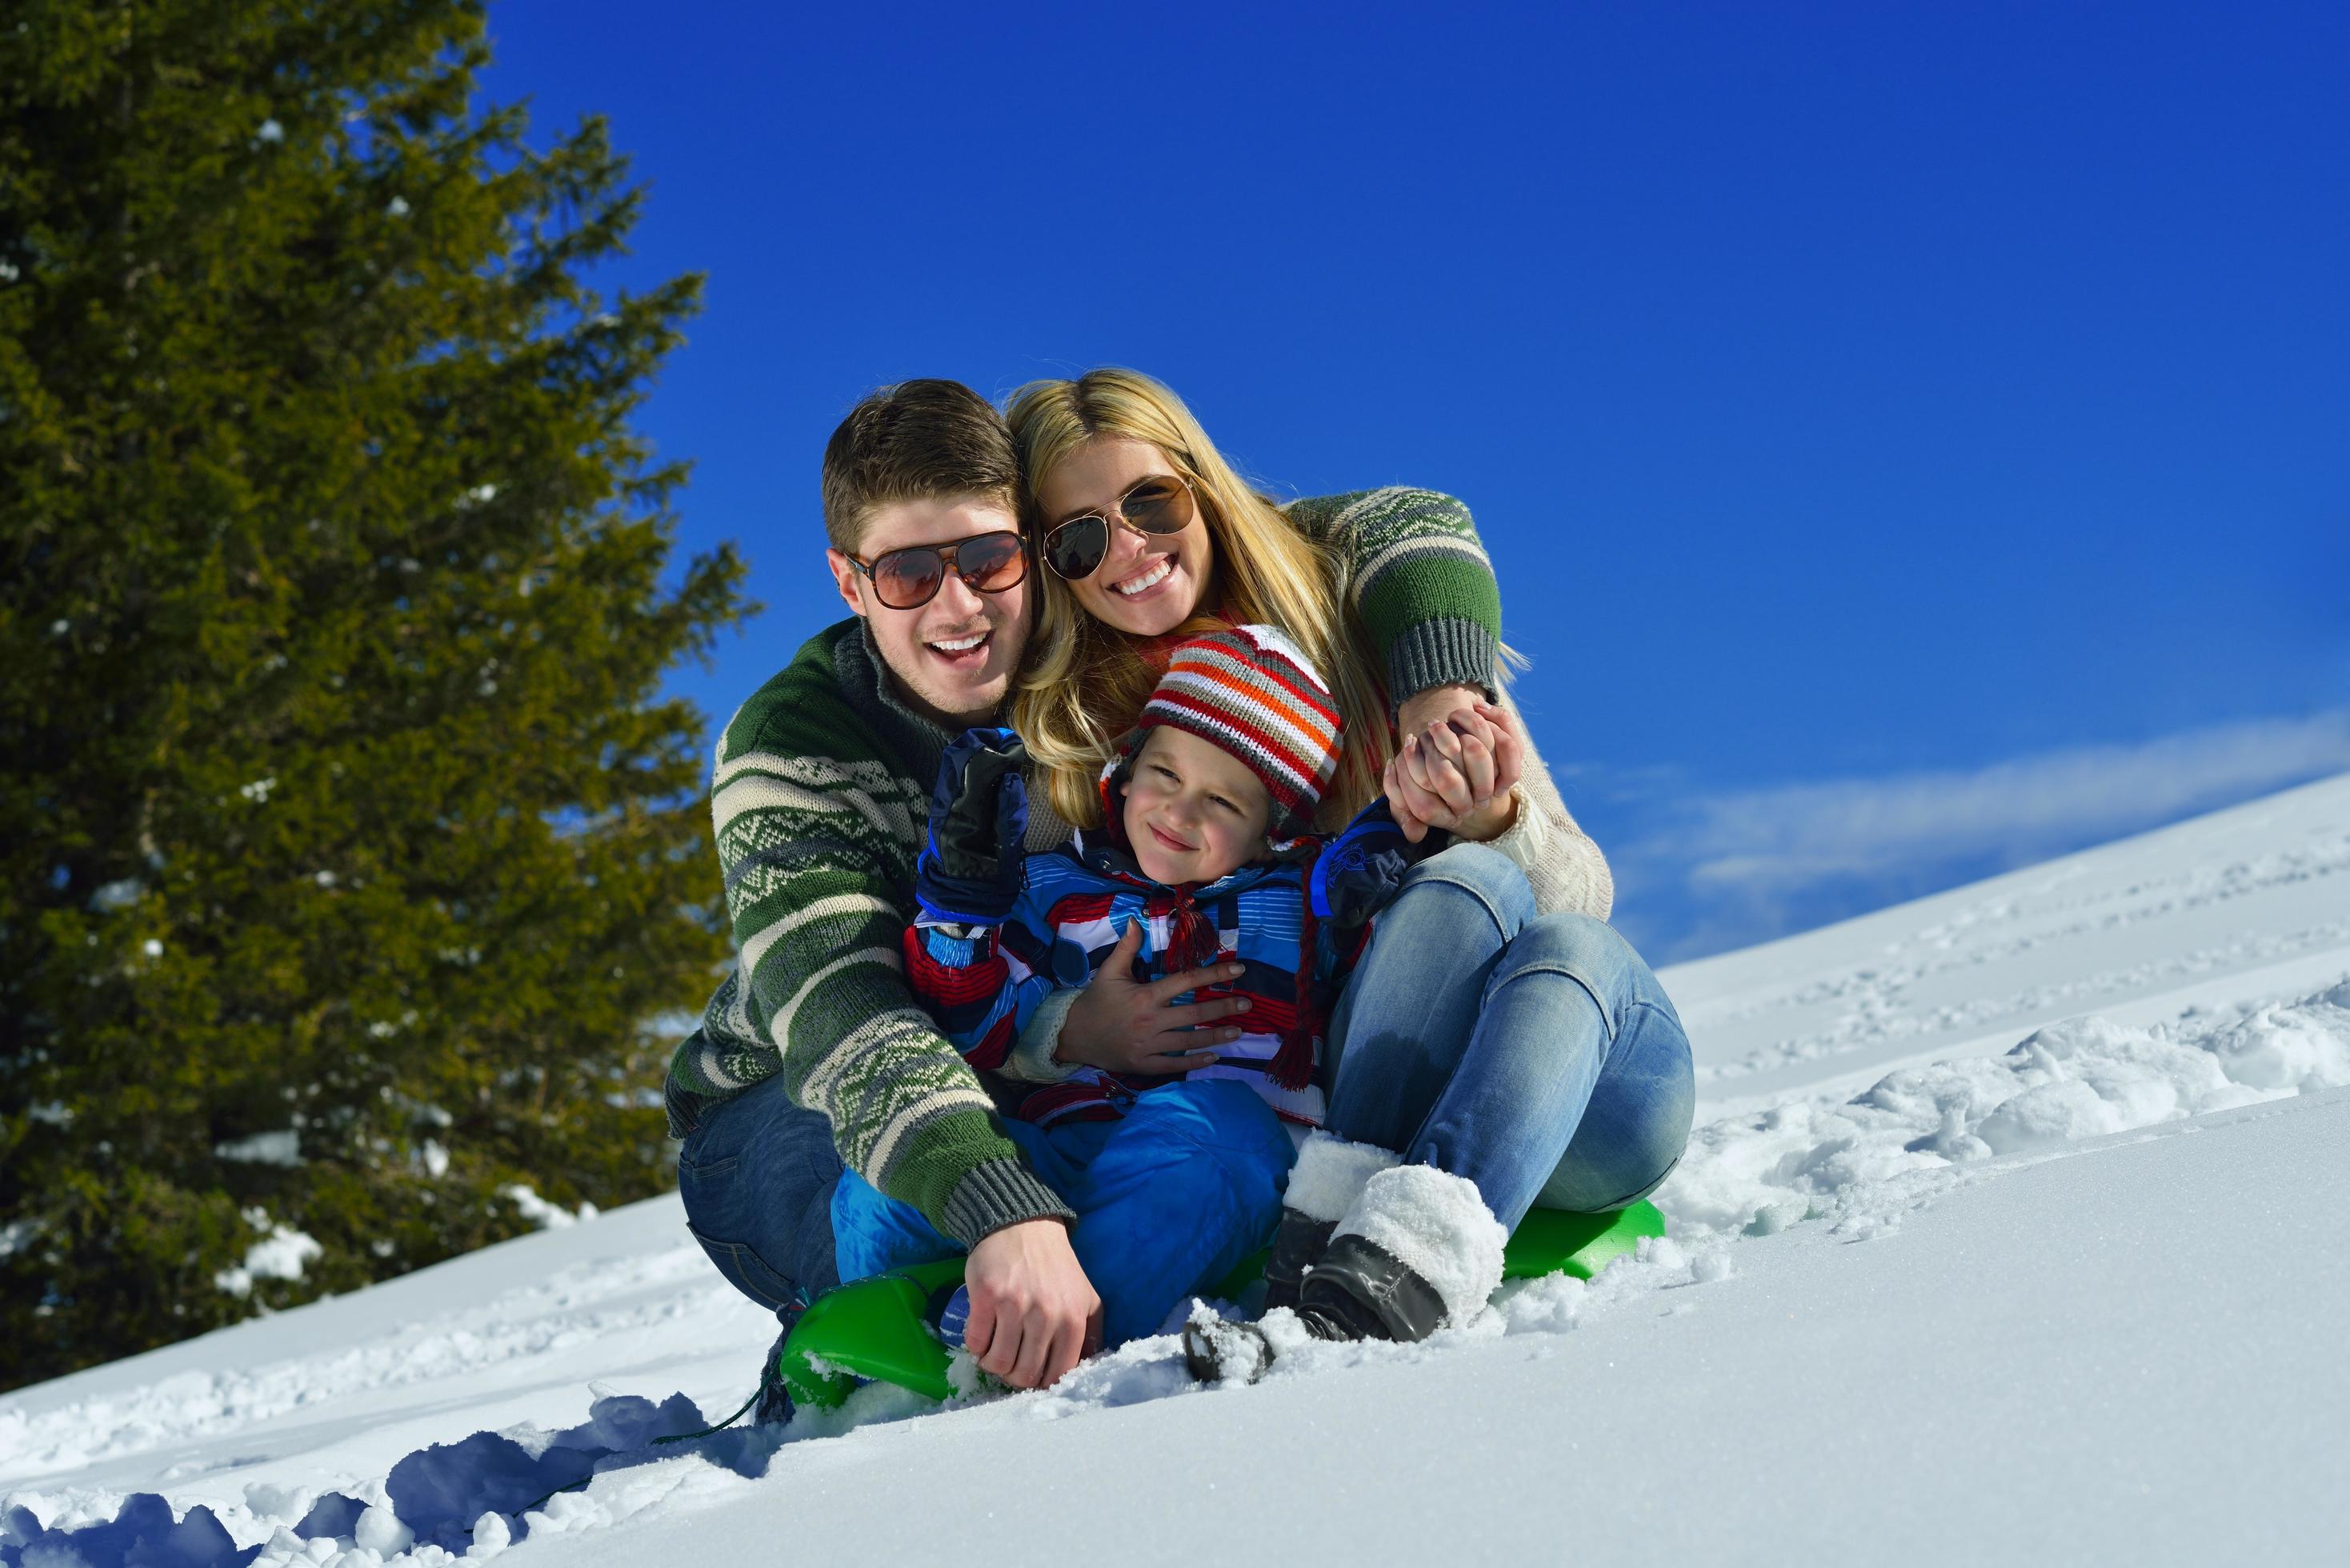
<point x="348" y="855"/>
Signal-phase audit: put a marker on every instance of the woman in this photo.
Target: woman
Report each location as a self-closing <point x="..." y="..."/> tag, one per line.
<point x="1499" y="1044"/>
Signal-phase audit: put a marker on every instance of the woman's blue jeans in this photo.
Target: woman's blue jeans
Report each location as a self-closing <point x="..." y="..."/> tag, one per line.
<point x="1169" y="1197"/>
<point x="1534" y="1055"/>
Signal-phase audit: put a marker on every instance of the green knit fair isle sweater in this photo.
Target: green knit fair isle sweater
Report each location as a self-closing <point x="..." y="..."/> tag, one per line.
<point x="820" y="796"/>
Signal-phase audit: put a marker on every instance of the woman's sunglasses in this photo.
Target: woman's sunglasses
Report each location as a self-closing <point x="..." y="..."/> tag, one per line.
<point x="910" y="579"/>
<point x="1162" y="504"/>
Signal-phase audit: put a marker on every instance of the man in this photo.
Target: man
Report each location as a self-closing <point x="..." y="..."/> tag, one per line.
<point x="820" y="798"/>
<point x="813" y="1052"/>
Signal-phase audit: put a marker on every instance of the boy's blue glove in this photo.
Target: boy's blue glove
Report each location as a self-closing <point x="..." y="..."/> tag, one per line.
<point x="1358" y="873"/>
<point x="969" y="870"/>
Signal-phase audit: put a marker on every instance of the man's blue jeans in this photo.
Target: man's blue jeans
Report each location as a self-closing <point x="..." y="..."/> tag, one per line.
<point x="757" y="1177"/>
<point x="1534" y="1055"/>
<point x="1168" y="1198"/>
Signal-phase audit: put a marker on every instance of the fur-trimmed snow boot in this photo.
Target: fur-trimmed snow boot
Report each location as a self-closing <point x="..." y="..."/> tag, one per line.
<point x="1418" y="1250"/>
<point x="1329" y="1175"/>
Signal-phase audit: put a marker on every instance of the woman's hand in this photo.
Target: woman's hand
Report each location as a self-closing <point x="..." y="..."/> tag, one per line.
<point x="1433" y="706"/>
<point x="1457" y="772"/>
<point x="1130" y="1025"/>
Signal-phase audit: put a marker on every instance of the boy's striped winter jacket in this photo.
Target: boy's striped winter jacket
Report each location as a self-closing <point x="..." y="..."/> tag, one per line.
<point x="985" y="984"/>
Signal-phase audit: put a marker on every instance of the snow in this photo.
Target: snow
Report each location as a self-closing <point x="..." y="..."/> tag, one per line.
<point x="1330" y="1174"/>
<point x="537" y="1210"/>
<point x="116" y="895"/>
<point x="282" y="1147"/>
<point x="2009" y="1230"/>
<point x="281" y="1255"/>
<point x="2067" y="1082"/>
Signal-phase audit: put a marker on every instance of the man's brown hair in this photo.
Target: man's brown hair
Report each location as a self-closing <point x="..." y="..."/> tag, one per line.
<point x="913" y="441"/>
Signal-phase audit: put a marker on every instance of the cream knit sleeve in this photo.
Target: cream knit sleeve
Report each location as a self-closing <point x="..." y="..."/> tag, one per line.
<point x="1564" y="867"/>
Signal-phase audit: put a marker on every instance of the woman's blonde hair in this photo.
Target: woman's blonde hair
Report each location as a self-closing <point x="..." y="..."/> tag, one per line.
<point x="1085" y="682"/>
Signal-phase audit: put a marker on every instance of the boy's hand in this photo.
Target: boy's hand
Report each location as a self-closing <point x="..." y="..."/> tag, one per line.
<point x="969" y="870"/>
<point x="1128" y="1026"/>
<point x="1034" y="1314"/>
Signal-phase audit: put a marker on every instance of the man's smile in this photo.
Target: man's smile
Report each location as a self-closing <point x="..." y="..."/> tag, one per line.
<point x="966" y="652"/>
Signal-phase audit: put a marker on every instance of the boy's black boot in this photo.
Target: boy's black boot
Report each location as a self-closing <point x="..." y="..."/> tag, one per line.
<point x="1418" y="1250"/>
<point x="1217" y="1350"/>
<point x="1329" y="1176"/>
<point x="1359" y="1291"/>
<point x="1297" y="1246"/>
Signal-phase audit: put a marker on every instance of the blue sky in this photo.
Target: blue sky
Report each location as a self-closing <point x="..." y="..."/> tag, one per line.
<point x="1912" y="439"/>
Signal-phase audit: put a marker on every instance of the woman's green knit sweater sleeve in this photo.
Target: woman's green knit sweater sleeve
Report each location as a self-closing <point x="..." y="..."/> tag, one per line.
<point x="1419" y="580"/>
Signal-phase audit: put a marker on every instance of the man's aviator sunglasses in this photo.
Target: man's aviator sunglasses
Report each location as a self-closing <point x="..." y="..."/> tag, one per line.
<point x="1162" y="504"/>
<point x="910" y="578"/>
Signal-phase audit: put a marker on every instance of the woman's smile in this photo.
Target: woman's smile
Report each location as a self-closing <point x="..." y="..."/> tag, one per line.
<point x="1157" y="571"/>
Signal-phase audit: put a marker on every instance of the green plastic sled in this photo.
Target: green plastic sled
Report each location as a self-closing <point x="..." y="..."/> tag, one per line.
<point x="1549" y="1242"/>
<point x="877" y="1328"/>
<point x="881" y="1328"/>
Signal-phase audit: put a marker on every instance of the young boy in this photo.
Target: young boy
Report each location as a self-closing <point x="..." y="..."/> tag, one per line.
<point x="1204" y="848"/>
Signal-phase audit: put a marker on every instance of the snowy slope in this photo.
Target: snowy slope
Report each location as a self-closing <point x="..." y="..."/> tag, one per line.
<point x="2010" y="1227"/>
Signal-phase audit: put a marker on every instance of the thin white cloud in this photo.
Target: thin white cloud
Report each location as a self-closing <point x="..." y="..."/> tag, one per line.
<point x="1751" y="863"/>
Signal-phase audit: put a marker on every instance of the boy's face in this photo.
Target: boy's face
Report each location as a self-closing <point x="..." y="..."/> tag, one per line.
<point x="1193" y="810"/>
<point x="954" y="656"/>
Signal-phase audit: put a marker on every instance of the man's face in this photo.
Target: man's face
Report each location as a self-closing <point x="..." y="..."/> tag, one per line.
<point x="954" y="656"/>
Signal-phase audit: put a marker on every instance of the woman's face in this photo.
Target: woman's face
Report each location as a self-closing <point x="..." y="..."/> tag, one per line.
<point x="1148" y="583"/>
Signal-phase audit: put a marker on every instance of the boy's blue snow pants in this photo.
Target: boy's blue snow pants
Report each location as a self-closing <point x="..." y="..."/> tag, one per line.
<point x="1168" y="1198"/>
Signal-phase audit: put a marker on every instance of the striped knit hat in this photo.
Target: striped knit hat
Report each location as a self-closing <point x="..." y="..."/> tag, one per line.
<point x="1252" y="693"/>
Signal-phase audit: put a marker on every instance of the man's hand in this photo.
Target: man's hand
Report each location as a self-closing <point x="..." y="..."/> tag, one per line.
<point x="1130" y="1025"/>
<point x="1034" y="1314"/>
<point x="1457" y="772"/>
